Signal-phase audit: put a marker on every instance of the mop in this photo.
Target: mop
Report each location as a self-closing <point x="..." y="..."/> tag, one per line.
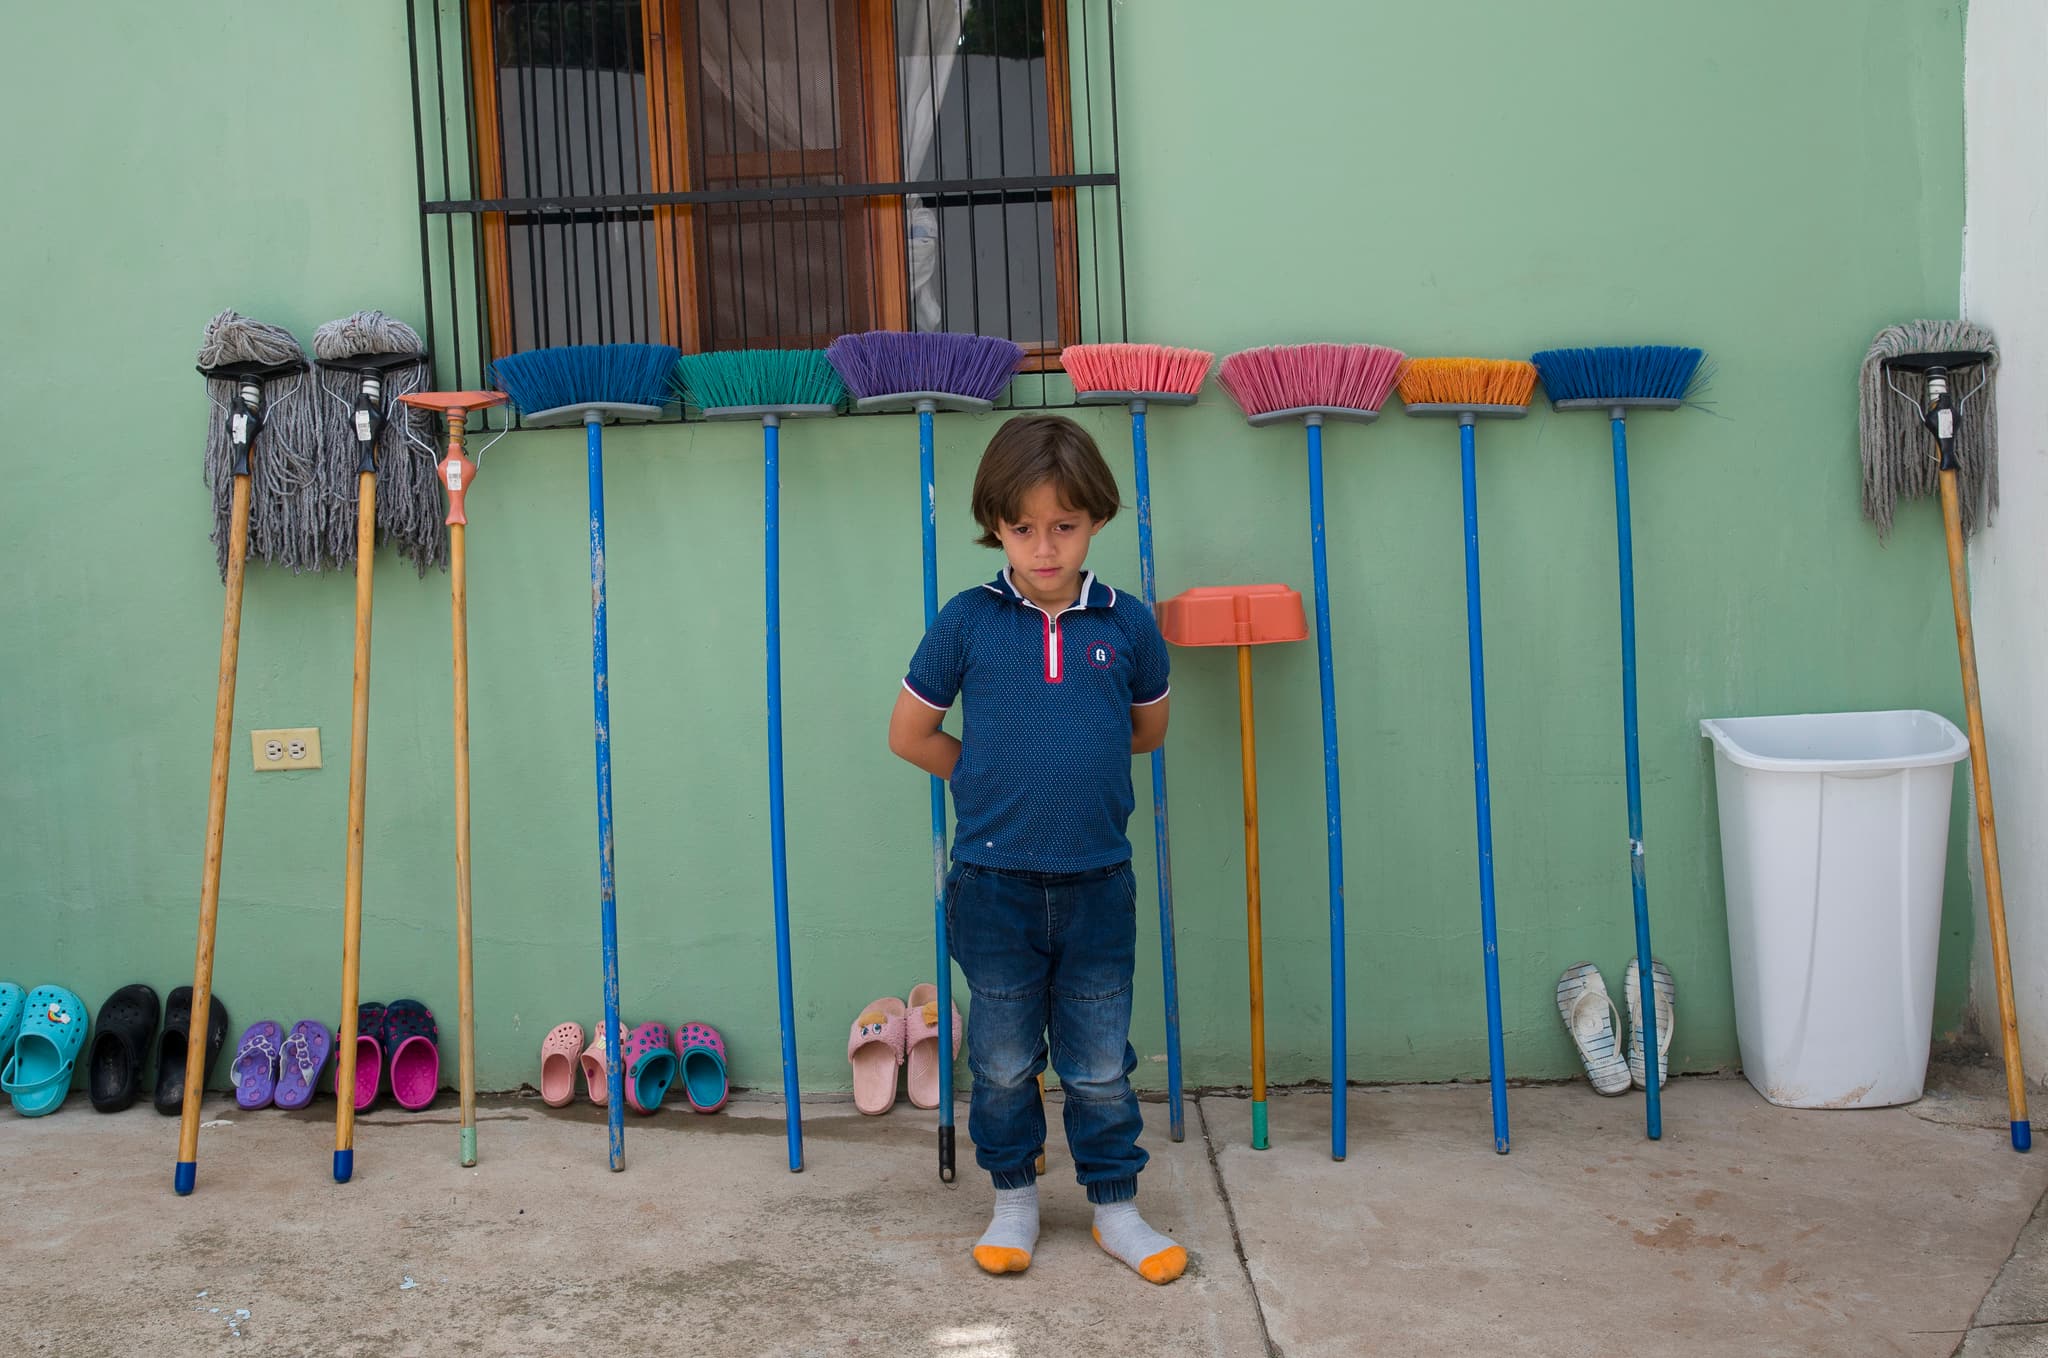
<point x="584" y="384"/>
<point x="894" y="370"/>
<point x="255" y="379"/>
<point x="1314" y="382"/>
<point x="1910" y="377"/>
<point x="1618" y="380"/>
<point x="1140" y="376"/>
<point x="1469" y="390"/>
<point x="456" y="473"/>
<point x="770" y="385"/>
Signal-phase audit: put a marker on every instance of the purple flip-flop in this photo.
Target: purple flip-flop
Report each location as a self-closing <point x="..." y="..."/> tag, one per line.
<point x="254" y="1074"/>
<point x="304" y="1055"/>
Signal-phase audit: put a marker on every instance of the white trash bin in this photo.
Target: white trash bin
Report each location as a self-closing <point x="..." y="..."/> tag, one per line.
<point x="1834" y="844"/>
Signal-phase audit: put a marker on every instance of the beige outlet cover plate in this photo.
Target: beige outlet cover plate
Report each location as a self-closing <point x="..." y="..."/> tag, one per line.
<point x="286" y="747"/>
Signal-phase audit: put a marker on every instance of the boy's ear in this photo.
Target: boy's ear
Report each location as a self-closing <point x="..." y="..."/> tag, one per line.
<point x="1096" y="526"/>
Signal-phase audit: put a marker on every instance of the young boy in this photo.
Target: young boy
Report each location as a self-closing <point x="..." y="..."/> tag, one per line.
<point x="1063" y="679"/>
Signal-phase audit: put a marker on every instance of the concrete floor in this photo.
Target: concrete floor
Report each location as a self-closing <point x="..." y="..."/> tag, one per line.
<point x="1748" y="1230"/>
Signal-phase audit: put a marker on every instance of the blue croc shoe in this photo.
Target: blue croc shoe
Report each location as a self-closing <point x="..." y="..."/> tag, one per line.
<point x="37" y="1075"/>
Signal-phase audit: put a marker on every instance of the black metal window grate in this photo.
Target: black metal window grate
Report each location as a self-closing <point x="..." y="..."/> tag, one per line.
<point x="726" y="174"/>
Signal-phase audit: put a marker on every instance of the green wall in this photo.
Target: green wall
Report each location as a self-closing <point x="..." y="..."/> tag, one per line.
<point x="1771" y="182"/>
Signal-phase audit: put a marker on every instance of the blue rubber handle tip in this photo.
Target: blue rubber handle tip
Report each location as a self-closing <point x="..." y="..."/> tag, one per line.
<point x="187" y="1175"/>
<point x="2023" y="1135"/>
<point x="1500" y="1145"/>
<point x="344" y="1165"/>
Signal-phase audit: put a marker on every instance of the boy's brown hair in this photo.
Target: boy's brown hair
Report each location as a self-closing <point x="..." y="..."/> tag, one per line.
<point x="1029" y="451"/>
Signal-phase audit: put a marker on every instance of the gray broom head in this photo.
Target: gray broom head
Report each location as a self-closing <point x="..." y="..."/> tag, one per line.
<point x="409" y="513"/>
<point x="282" y="453"/>
<point x="1900" y="458"/>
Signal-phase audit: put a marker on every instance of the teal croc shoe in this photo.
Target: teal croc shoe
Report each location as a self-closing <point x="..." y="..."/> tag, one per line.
<point x="13" y="999"/>
<point x="37" y="1075"/>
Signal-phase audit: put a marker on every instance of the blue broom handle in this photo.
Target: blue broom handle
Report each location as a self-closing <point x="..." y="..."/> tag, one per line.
<point x="928" y="468"/>
<point x="1168" y="968"/>
<point x="771" y="499"/>
<point x="1646" y="981"/>
<point x="1332" y="795"/>
<point x="1482" y="793"/>
<point x="600" y="698"/>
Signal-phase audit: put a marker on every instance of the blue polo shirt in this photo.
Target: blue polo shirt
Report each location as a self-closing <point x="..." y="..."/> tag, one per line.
<point x="1044" y="778"/>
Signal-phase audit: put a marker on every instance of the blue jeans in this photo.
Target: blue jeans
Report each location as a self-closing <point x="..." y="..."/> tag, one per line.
<point x="1048" y="955"/>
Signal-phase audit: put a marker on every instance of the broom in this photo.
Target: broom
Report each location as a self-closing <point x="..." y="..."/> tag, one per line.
<point x="1314" y="382"/>
<point x="896" y="370"/>
<point x="253" y="374"/>
<point x="770" y="385"/>
<point x="583" y="384"/>
<point x="1138" y="376"/>
<point x="1920" y="363"/>
<point x="456" y="473"/>
<point x="359" y="356"/>
<point x="1617" y="380"/>
<point x="1471" y="389"/>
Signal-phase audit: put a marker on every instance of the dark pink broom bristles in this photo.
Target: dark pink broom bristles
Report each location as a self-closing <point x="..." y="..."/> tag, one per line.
<point x="1150" y="369"/>
<point x="1290" y="376"/>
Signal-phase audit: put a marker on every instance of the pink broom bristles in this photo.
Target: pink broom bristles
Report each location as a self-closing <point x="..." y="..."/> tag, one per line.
<point x="1150" y="368"/>
<point x="1289" y="376"/>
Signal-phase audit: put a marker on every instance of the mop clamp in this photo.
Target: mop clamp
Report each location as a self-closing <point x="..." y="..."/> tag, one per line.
<point x="456" y="471"/>
<point x="245" y="414"/>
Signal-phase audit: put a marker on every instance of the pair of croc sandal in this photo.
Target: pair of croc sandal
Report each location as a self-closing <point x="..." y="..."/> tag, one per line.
<point x="405" y="1032"/>
<point x="890" y="1033"/>
<point x="128" y="1028"/>
<point x="655" y="1059"/>
<point x="41" y="1033"/>
<point x="1589" y="1016"/>
<point x="275" y="1067"/>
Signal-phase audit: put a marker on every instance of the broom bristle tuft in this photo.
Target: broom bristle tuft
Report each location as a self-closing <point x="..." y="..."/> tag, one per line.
<point x="890" y="362"/>
<point x="1288" y="376"/>
<point x="757" y="377"/>
<point x="1136" y="367"/>
<point x="1656" y="372"/>
<point x="1468" y="381"/>
<point x="587" y="374"/>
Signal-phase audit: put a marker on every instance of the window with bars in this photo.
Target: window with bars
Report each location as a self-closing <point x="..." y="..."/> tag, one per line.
<point x="723" y="174"/>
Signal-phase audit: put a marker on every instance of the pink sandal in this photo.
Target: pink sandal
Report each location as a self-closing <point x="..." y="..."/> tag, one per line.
<point x="558" y="1053"/>
<point x="921" y="1041"/>
<point x="597" y="1060"/>
<point x="701" y="1052"/>
<point x="650" y="1066"/>
<point x="875" y="1047"/>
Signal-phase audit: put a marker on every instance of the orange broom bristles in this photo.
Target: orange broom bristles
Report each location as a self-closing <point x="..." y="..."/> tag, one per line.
<point x="1468" y="381"/>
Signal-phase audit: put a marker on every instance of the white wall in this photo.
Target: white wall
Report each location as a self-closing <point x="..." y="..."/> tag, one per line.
<point x="2005" y="286"/>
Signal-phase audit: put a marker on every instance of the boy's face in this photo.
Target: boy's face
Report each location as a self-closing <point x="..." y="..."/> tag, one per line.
<point x="1047" y="544"/>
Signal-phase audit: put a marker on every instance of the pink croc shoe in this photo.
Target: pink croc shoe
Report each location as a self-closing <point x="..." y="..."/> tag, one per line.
<point x="701" y="1052"/>
<point x="597" y="1061"/>
<point x="650" y="1066"/>
<point x="558" y="1053"/>
<point x="875" y="1047"/>
<point x="921" y="1044"/>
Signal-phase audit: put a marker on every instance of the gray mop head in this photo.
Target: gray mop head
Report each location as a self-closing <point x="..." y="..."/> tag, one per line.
<point x="1900" y="459"/>
<point x="283" y="453"/>
<point x="409" y="513"/>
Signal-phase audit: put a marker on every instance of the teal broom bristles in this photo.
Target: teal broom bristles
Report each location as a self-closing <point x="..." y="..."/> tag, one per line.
<point x="749" y="378"/>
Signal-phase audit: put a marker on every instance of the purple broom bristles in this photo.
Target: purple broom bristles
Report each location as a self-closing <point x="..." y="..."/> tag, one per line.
<point x="892" y="362"/>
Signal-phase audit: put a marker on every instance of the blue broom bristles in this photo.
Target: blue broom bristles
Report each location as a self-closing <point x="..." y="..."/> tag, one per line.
<point x="587" y="374"/>
<point x="887" y="362"/>
<point x="1660" y="372"/>
<point x="776" y="378"/>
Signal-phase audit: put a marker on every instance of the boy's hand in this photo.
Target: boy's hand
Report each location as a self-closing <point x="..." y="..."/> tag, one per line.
<point x="1148" y="726"/>
<point x="914" y="735"/>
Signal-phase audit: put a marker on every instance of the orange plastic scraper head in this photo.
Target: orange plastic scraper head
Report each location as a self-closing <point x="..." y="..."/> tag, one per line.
<point x="1233" y="615"/>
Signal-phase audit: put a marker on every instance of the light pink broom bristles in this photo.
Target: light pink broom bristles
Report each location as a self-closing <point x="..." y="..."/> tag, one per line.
<point x="1297" y="376"/>
<point x="1141" y="369"/>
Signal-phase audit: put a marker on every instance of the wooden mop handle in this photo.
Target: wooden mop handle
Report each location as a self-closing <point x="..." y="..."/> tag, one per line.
<point x="352" y="879"/>
<point x="1254" y="943"/>
<point x="1987" y="825"/>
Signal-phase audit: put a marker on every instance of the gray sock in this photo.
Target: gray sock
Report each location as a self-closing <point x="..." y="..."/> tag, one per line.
<point x="1005" y="1247"/>
<point x="1120" y="1230"/>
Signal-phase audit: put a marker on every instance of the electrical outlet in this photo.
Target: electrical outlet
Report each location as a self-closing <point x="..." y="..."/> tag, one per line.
<point x="289" y="747"/>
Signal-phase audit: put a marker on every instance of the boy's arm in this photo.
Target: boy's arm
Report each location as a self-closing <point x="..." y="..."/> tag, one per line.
<point x="1148" y="726"/>
<point x="914" y="735"/>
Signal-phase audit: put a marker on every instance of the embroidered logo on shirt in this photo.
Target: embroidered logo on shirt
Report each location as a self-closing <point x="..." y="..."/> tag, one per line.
<point x="1101" y="656"/>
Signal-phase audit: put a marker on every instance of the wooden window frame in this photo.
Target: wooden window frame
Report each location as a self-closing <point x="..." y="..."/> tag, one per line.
<point x="881" y="160"/>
